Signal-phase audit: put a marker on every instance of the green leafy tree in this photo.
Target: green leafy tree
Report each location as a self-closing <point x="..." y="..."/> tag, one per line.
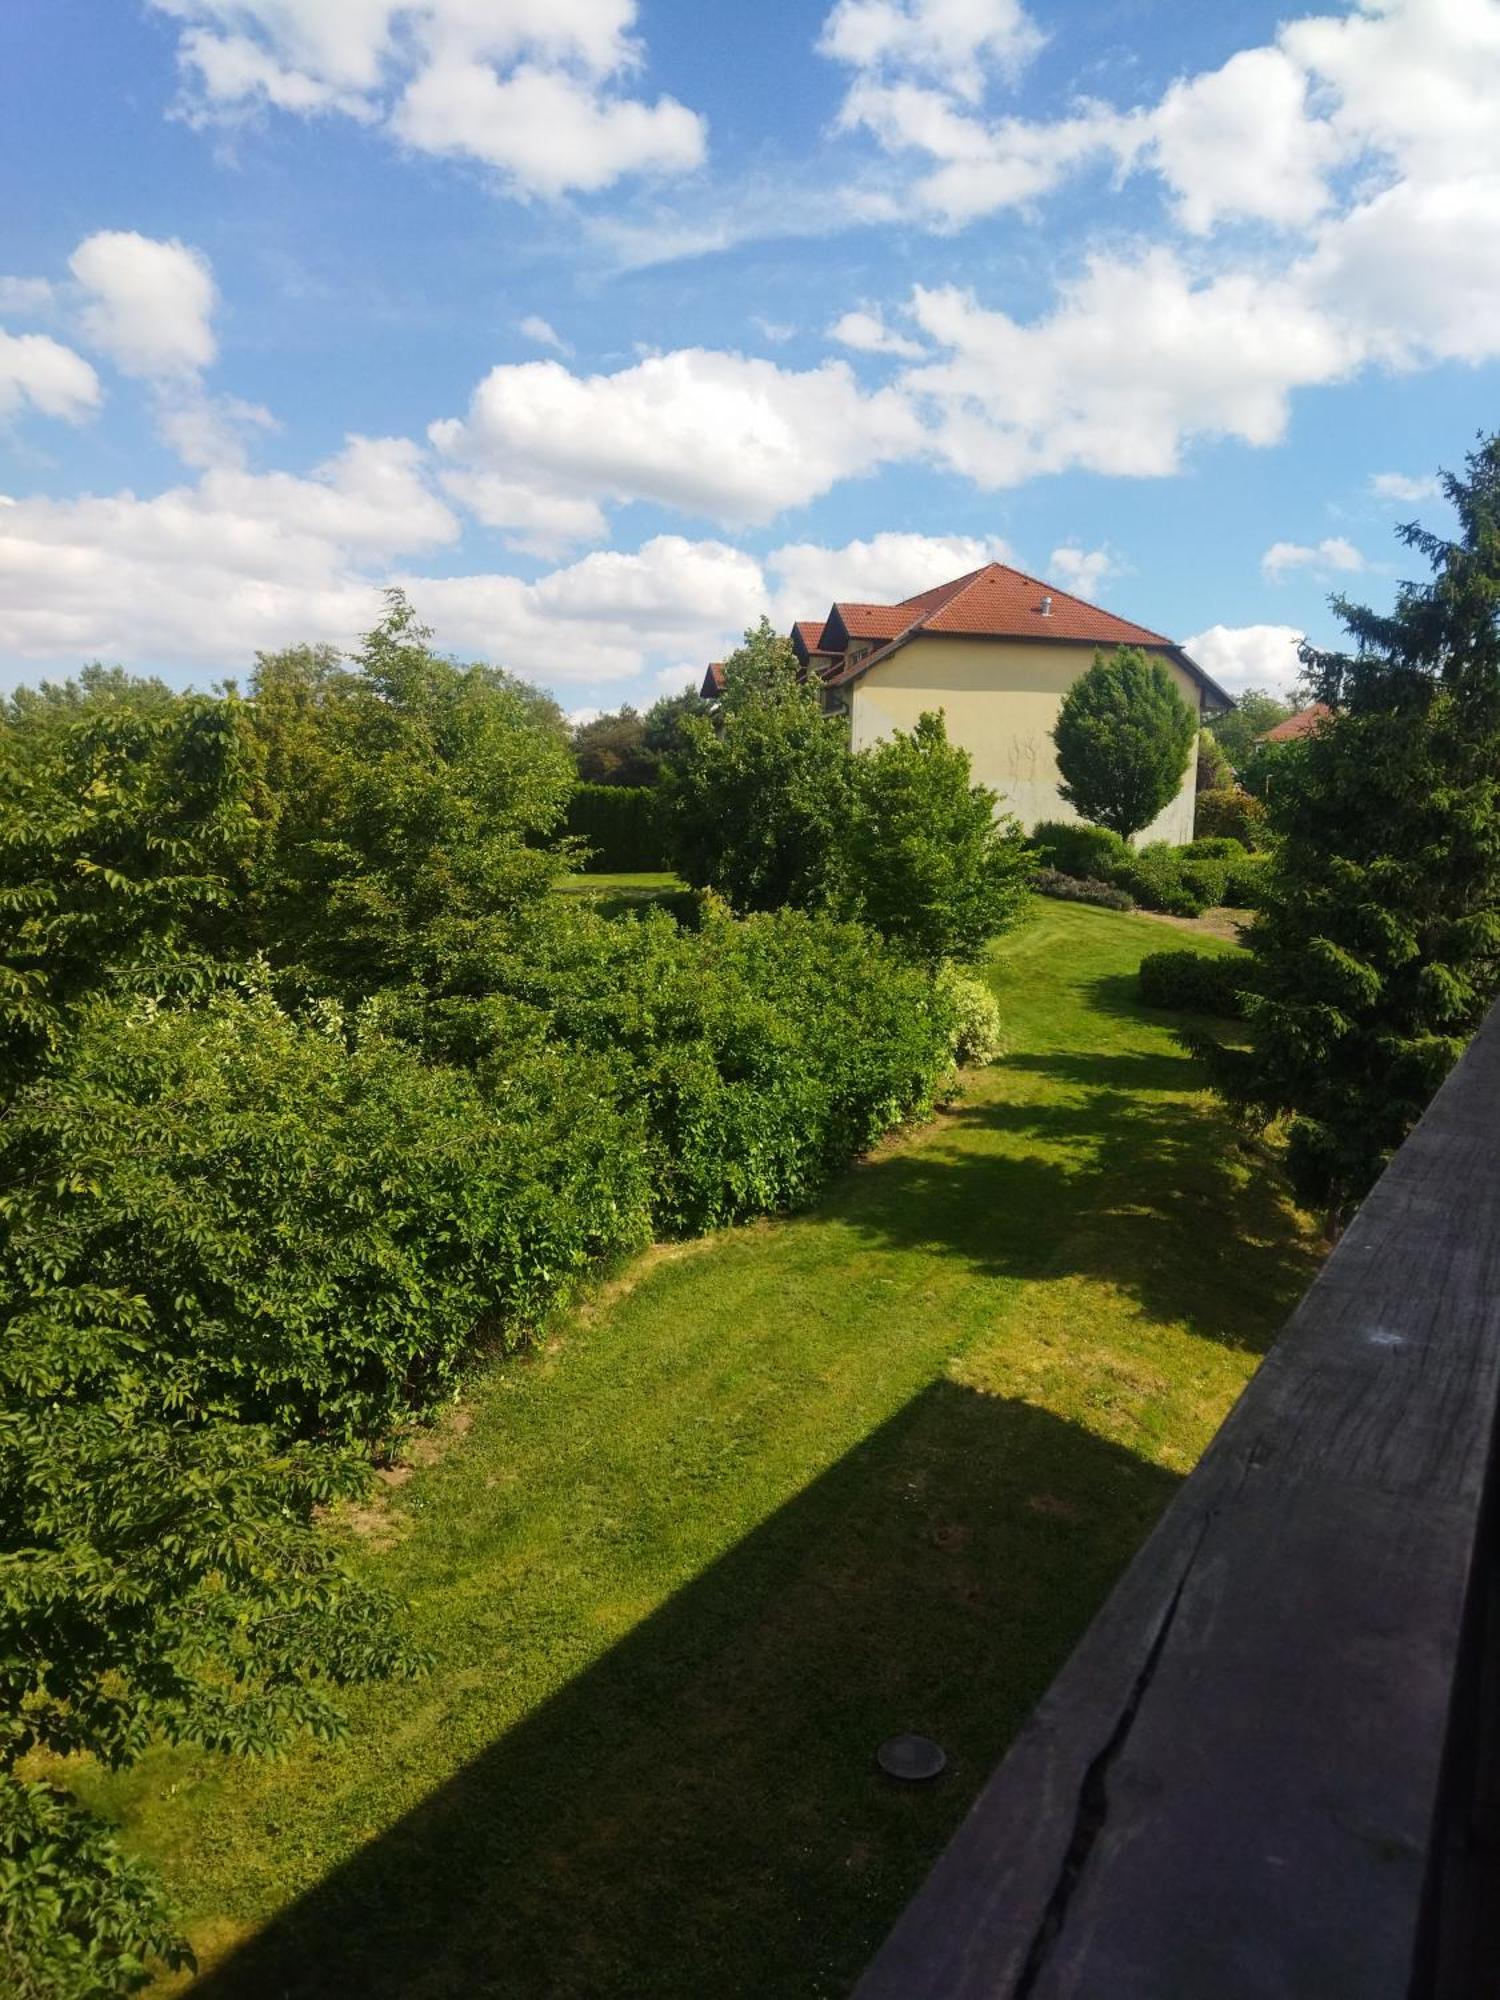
<point x="924" y="859"/>
<point x="1237" y="733"/>
<point x="1214" y="772"/>
<point x="611" y="750"/>
<point x="415" y="810"/>
<point x="128" y="833"/>
<point x="755" y="808"/>
<point x="1378" y="943"/>
<point x="665" y="721"/>
<point x="1123" y="737"/>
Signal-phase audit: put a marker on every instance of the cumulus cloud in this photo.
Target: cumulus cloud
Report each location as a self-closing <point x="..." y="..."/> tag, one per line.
<point x="951" y="40"/>
<point x="866" y="332"/>
<point x="530" y="87"/>
<point x="23" y="298"/>
<point x="42" y="374"/>
<point x="1088" y="572"/>
<point x="1333" y="555"/>
<point x="1249" y="656"/>
<point x="807" y="576"/>
<point x="149" y="304"/>
<point x="719" y="435"/>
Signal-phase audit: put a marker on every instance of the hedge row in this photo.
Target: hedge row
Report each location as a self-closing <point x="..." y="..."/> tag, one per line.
<point x="1180" y="881"/>
<point x="1195" y="983"/>
<point x="620" y="824"/>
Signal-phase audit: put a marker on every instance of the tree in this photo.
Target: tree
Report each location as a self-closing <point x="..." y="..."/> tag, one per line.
<point x="924" y="860"/>
<point x="1256" y="711"/>
<point x="1123" y="736"/>
<point x="415" y="808"/>
<point x="755" y="809"/>
<point x="611" y="750"/>
<point x="1214" y="773"/>
<point x="1378" y="948"/>
<point x="665" y="720"/>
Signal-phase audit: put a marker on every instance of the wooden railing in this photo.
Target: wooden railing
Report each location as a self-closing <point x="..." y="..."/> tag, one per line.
<point x="1269" y="1768"/>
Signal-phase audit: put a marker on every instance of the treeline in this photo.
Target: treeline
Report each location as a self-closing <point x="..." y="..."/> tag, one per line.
<point x="313" y="1092"/>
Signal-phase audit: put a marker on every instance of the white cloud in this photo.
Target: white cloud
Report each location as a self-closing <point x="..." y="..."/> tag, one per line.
<point x="531" y="87"/>
<point x="23" y="298"/>
<point x="150" y="304"/>
<point x="808" y="577"/>
<point x="1332" y="555"/>
<point x="1084" y="571"/>
<point x="1401" y="486"/>
<point x="866" y="332"/>
<point x="1135" y="359"/>
<point x="720" y="435"/>
<point x="534" y="327"/>
<point x="548" y="131"/>
<point x="46" y="375"/>
<point x="950" y="40"/>
<point x="207" y="430"/>
<point x="778" y="332"/>
<point x="1239" y="141"/>
<point x="1248" y="656"/>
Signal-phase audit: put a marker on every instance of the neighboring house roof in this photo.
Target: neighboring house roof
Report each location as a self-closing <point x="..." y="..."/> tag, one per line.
<point x="807" y="636"/>
<point x="713" y="681"/>
<point x="1303" y="723"/>
<point x="998" y="602"/>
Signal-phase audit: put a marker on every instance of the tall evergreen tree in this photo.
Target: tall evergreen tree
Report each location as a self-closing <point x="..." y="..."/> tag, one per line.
<point x="1378" y="949"/>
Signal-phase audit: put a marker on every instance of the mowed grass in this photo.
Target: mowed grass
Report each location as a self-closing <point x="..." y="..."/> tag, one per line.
<point x="774" y="1497"/>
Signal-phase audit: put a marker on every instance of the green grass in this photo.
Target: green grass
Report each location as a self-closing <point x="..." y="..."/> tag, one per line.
<point x="772" y="1498"/>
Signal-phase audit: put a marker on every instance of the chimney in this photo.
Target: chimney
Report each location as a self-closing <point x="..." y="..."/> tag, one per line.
<point x="1046" y="604"/>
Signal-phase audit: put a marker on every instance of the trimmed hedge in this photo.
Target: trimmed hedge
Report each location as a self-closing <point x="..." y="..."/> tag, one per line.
<point x="1194" y="983"/>
<point x="1233" y="814"/>
<point x="621" y="824"/>
<point x="1092" y="852"/>
<point x="1215" y="847"/>
<point x="1080" y="889"/>
<point x="1245" y="886"/>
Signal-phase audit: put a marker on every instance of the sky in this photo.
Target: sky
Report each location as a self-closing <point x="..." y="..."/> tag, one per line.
<point x="603" y="326"/>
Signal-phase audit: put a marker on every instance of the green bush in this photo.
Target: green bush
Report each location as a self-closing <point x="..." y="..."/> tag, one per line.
<point x="1194" y="983"/>
<point x="976" y="1017"/>
<point x="322" y="1225"/>
<point x="1092" y="852"/>
<point x="1204" y="880"/>
<point x="1080" y="889"/>
<point x="1216" y="847"/>
<point x="744" y="1049"/>
<point x="1158" y="880"/>
<point x="620" y="826"/>
<point x="1245" y="885"/>
<point x="1232" y="814"/>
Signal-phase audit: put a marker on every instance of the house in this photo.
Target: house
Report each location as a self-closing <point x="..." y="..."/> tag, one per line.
<point x="1303" y="723"/>
<point x="996" y="651"/>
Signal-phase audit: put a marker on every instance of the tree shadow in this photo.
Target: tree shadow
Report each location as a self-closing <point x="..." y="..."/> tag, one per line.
<point x="1120" y="1174"/>
<point x="700" y="1813"/>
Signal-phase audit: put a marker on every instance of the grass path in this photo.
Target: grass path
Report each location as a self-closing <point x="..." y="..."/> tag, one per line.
<point x="781" y="1494"/>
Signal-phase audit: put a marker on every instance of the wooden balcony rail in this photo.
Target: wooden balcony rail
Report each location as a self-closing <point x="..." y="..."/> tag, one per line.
<point x="1269" y="1768"/>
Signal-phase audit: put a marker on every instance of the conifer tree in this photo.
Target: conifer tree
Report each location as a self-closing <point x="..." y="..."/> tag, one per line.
<point x="1378" y="949"/>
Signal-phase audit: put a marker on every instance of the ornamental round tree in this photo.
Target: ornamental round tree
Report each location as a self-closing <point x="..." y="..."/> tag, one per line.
<point x="1378" y="946"/>
<point x="1123" y="737"/>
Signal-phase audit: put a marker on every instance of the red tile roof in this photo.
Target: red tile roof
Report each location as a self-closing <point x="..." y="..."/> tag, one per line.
<point x="810" y="632"/>
<point x="1303" y="723"/>
<point x="997" y="602"/>
<point x="713" y="681"/>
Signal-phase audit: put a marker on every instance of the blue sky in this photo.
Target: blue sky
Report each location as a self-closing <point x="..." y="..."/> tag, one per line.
<point x="604" y="326"/>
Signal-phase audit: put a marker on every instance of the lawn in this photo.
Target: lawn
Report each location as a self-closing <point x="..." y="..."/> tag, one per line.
<point x="771" y="1498"/>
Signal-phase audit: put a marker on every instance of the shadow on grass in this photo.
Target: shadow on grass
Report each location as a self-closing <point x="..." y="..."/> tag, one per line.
<point x="699" y="1813"/>
<point x="1112" y="1173"/>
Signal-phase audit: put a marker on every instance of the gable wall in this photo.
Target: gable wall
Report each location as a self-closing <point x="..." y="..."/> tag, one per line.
<point x="1000" y="700"/>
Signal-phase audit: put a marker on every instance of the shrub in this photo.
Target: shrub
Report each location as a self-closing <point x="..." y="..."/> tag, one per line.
<point x="1246" y="882"/>
<point x="1204" y="880"/>
<point x="619" y="825"/>
<point x="1158" y="880"/>
<point x="1195" y="983"/>
<point x="1213" y="848"/>
<point x="761" y="1055"/>
<point x="976" y="1017"/>
<point x="321" y="1225"/>
<point x="1080" y="889"/>
<point x="1233" y="814"/>
<point x="1079" y="849"/>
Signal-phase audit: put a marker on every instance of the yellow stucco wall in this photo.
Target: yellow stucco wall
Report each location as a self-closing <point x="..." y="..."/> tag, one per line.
<point x="1000" y="700"/>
